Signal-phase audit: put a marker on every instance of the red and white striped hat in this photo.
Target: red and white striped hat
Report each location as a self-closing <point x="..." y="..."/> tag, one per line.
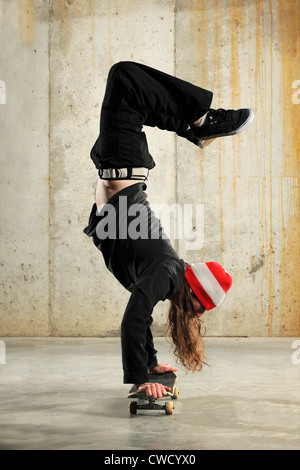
<point x="209" y="282"/>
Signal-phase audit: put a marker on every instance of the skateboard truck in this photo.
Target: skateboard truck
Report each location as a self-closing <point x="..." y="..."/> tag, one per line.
<point x="149" y="404"/>
<point x="145" y="402"/>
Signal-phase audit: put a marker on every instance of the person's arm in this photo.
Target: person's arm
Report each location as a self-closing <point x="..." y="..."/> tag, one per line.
<point x="151" y="351"/>
<point x="138" y="353"/>
<point x="134" y="335"/>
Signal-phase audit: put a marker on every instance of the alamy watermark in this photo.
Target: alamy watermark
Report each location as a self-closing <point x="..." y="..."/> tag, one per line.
<point x="296" y="354"/>
<point x="2" y="353"/>
<point x="2" y="92"/>
<point x="184" y="222"/>
<point x="138" y="221"/>
<point x="296" y="94"/>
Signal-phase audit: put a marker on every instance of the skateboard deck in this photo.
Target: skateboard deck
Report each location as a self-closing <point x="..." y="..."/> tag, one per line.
<point x="144" y="402"/>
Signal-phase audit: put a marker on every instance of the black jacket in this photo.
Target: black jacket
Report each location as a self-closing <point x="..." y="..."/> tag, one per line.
<point x="140" y="256"/>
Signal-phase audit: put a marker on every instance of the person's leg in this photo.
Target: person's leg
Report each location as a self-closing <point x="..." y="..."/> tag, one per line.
<point x="138" y="95"/>
<point x="146" y="90"/>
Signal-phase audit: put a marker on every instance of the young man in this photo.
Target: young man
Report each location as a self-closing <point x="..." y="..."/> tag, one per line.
<point x="126" y="231"/>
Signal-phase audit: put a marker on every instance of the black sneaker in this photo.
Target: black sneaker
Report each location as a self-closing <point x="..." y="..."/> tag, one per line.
<point x="220" y="123"/>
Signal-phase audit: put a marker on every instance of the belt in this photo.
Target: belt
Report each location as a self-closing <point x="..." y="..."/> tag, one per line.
<point x="124" y="173"/>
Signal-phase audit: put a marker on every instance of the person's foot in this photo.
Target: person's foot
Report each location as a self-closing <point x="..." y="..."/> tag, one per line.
<point x="221" y="123"/>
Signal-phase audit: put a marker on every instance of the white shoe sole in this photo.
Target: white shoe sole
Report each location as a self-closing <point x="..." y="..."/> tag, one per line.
<point x="246" y="123"/>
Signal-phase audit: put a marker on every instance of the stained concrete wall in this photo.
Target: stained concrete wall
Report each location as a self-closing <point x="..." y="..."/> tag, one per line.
<point x="53" y="68"/>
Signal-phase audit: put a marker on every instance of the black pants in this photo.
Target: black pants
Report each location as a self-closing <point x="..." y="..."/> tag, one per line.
<point x="138" y="95"/>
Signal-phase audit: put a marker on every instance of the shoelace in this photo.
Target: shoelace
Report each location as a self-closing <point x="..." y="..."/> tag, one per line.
<point x="217" y="115"/>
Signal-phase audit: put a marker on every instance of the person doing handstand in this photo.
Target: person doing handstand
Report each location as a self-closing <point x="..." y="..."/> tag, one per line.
<point x="147" y="265"/>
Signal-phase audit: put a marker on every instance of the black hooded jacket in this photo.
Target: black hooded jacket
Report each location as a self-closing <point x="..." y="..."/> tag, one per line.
<point x="138" y="253"/>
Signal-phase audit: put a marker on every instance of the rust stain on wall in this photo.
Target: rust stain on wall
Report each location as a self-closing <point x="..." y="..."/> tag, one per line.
<point x="289" y="23"/>
<point x="289" y="266"/>
<point x="109" y="20"/>
<point x="219" y="38"/>
<point x="222" y="180"/>
<point x="235" y="83"/>
<point x="272" y="28"/>
<point x="271" y="274"/>
<point x="199" y="31"/>
<point x="26" y="20"/>
<point x="66" y="11"/>
<point x="262" y="168"/>
<point x="264" y="157"/>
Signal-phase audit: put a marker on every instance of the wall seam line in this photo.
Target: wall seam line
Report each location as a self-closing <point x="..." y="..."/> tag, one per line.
<point x="176" y="138"/>
<point x="50" y="324"/>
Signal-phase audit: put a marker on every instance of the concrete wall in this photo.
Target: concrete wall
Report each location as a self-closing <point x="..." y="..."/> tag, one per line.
<point x="53" y="68"/>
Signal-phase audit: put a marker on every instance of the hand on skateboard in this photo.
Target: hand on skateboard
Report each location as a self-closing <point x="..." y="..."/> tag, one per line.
<point x="154" y="390"/>
<point x="162" y="369"/>
<point x="159" y="386"/>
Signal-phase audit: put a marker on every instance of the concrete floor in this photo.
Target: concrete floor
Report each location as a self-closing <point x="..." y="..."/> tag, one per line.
<point x="67" y="393"/>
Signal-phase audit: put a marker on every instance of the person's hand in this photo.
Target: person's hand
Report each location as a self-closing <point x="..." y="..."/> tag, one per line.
<point x="162" y="368"/>
<point x="154" y="390"/>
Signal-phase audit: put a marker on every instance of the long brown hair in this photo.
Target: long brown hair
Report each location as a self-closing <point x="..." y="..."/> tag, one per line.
<point x="184" y="330"/>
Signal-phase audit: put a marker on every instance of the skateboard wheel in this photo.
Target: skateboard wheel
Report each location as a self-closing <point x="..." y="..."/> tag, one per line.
<point x="169" y="408"/>
<point x="175" y="394"/>
<point x="132" y="407"/>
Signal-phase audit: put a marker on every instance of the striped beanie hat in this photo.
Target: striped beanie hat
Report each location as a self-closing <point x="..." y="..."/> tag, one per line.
<point x="209" y="282"/>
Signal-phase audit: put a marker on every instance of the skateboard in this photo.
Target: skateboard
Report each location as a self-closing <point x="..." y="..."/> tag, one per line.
<point x="144" y="402"/>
